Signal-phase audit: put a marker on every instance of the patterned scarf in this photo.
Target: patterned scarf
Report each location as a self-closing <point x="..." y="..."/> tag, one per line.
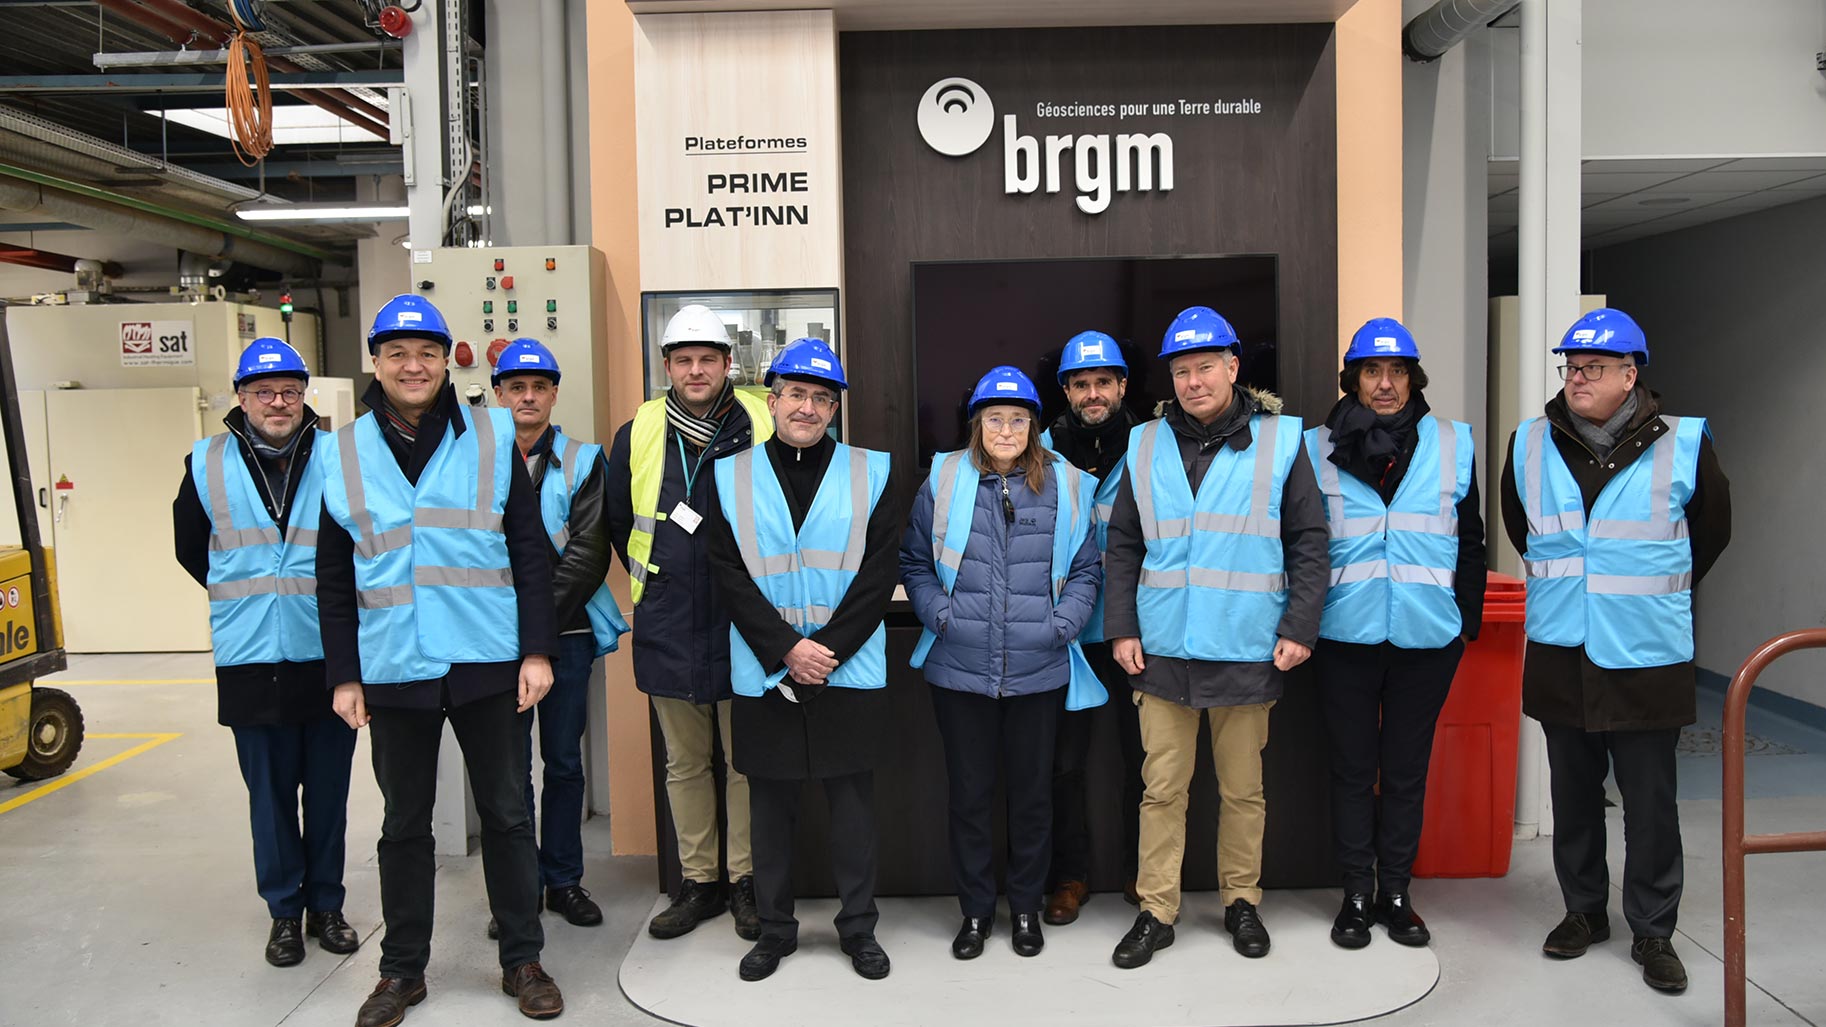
<point x="1602" y="438"/>
<point x="699" y="432"/>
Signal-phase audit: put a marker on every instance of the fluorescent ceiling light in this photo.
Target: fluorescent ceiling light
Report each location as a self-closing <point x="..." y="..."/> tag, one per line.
<point x="292" y="125"/>
<point x="322" y="213"/>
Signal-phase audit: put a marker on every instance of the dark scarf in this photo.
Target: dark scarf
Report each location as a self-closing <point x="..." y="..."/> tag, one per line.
<point x="699" y="432"/>
<point x="274" y="461"/>
<point x="1602" y="438"/>
<point x="1369" y="445"/>
<point x="1243" y="405"/>
<point x="1093" y="447"/>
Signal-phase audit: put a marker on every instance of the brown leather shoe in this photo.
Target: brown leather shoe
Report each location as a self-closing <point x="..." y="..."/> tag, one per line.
<point x="388" y="1002"/>
<point x="538" y="993"/>
<point x="1062" y="908"/>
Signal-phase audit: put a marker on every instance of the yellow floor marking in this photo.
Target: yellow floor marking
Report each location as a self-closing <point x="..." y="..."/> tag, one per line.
<point x="155" y="740"/>
<point x="58" y="682"/>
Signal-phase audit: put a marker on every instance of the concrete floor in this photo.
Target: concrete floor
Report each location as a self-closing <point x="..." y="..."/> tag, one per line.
<point x="129" y="898"/>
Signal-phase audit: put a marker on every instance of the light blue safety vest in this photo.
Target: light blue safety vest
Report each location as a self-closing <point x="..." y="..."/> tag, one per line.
<point x="1620" y="583"/>
<point x="1104" y="507"/>
<point x="262" y="588"/>
<point x="953" y="480"/>
<point x="555" y="492"/>
<point x="1393" y="565"/>
<point x="432" y="578"/>
<point x="1213" y="584"/>
<point x="804" y="574"/>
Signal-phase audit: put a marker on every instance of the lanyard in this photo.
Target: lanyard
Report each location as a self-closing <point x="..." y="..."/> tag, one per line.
<point x="688" y="467"/>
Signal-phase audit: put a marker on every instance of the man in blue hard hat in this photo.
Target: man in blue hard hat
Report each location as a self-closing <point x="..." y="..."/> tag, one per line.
<point x="660" y="489"/>
<point x="1618" y="511"/>
<point x="435" y="592"/>
<point x="1215" y="578"/>
<point x="568" y="474"/>
<point x="1093" y="434"/>
<point x="245" y="525"/>
<point x="804" y="549"/>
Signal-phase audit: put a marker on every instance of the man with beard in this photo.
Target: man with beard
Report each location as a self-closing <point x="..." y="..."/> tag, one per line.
<point x="1093" y="434"/>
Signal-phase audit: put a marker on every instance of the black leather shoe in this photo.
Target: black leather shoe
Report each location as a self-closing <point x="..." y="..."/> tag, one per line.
<point x="1575" y="934"/>
<point x="742" y="909"/>
<point x="332" y="932"/>
<point x="764" y="958"/>
<point x="695" y="903"/>
<point x="866" y="956"/>
<point x="1247" y="931"/>
<point x="1394" y="911"/>
<point x="386" y="1005"/>
<point x="1351" y="929"/>
<point x="574" y="904"/>
<point x="1138" y="946"/>
<point x="969" y="941"/>
<point x="1027" y="938"/>
<point x="494" y="929"/>
<point x="1661" y="969"/>
<point x="285" y="944"/>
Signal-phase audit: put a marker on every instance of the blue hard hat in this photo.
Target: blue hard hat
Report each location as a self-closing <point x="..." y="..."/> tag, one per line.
<point x="1004" y="384"/>
<point x="1605" y="330"/>
<point x="267" y="357"/>
<point x="1198" y="328"/>
<point x="1382" y="337"/>
<point x="807" y="358"/>
<point x="525" y="356"/>
<point x="407" y="314"/>
<point x="1091" y="349"/>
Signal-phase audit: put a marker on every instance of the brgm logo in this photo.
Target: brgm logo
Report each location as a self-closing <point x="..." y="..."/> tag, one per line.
<point x="135" y="337"/>
<point x="956" y="117"/>
<point x="1387" y="344"/>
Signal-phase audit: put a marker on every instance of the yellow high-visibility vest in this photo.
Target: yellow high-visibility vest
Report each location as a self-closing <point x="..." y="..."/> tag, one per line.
<point x="647" y="469"/>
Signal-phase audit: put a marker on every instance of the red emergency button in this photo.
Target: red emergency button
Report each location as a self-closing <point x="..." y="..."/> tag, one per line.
<point x="465" y="355"/>
<point x="507" y="281"/>
<point x="500" y="265"/>
<point x="494" y="352"/>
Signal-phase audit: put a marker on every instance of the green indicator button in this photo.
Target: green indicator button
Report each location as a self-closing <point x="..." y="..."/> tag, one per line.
<point x="513" y="306"/>
<point x="551" y="306"/>
<point x="488" y="306"/>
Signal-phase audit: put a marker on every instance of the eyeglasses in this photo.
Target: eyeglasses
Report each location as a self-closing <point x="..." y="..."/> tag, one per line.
<point x="820" y="401"/>
<point x="289" y="396"/>
<point x="998" y="425"/>
<point x="1590" y="372"/>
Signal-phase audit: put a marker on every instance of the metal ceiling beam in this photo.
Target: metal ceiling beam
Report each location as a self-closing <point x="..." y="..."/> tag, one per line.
<point x="168" y="58"/>
<point x="200" y="82"/>
<point x="339" y="168"/>
<point x="45" y="260"/>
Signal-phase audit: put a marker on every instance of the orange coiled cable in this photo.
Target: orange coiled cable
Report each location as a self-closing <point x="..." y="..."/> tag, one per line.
<point x="250" y="105"/>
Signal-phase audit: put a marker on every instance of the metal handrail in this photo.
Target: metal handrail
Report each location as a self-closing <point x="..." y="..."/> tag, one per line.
<point x="1737" y="843"/>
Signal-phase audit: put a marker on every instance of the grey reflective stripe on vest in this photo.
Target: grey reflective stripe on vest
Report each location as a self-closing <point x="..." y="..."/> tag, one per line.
<point x="384" y="596"/>
<point x="1355" y="572"/>
<point x="1564" y="567"/>
<point x="562" y="536"/>
<point x="224" y="535"/>
<point x="1570" y="520"/>
<point x="296" y="536"/>
<point x="463" y="577"/>
<point x="1151" y="529"/>
<point x="1205" y="577"/>
<point x="1661" y="526"/>
<point x="1068" y="491"/>
<point x="1416" y="574"/>
<point x="1333" y="489"/>
<point x="225" y="590"/>
<point x="461" y="519"/>
<point x="1638" y="584"/>
<point x="366" y="544"/>
<point x="859" y="511"/>
<point x="941" y="513"/>
<point x="809" y="617"/>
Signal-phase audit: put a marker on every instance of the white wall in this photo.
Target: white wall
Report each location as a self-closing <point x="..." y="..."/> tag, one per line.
<point x="1679" y="77"/>
<point x="1736" y="323"/>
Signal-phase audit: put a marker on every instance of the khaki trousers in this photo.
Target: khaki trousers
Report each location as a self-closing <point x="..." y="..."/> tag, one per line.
<point x="1169" y="733"/>
<point x="691" y="789"/>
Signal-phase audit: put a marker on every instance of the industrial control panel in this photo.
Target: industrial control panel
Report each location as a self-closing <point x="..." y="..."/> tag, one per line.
<point x="493" y="295"/>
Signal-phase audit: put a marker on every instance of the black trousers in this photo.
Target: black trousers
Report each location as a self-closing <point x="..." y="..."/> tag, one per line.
<point x="1380" y="703"/>
<point x="773" y="821"/>
<point x="1014" y="735"/>
<point x="493" y="739"/>
<point x="1071" y="834"/>
<point x="1653" y="874"/>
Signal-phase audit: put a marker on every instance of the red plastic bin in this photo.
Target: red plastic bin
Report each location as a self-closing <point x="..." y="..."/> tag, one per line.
<point x="1470" y="809"/>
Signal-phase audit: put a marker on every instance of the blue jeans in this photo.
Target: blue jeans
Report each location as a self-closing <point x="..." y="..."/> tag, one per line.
<point x="297" y="869"/>
<point x="562" y="716"/>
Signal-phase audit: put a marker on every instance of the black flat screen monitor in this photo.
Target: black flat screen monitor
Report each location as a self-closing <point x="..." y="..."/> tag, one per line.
<point x="969" y="316"/>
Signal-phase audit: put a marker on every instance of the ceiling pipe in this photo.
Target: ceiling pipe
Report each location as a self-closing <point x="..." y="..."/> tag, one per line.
<point x="30" y="197"/>
<point x="1444" y="25"/>
<point x="171" y="30"/>
<point x="26" y="256"/>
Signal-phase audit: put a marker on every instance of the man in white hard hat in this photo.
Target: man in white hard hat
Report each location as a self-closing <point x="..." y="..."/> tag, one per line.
<point x="660" y="487"/>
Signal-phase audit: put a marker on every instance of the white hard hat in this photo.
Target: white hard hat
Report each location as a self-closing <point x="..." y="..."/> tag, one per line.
<point x="695" y="324"/>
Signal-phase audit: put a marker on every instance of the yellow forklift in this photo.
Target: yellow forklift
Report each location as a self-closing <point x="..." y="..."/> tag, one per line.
<point x="40" y="728"/>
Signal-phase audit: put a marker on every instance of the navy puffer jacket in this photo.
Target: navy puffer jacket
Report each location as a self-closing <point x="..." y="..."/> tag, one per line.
<point x="999" y="633"/>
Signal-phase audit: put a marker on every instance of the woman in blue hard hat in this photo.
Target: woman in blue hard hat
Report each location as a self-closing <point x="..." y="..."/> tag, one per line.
<point x="1001" y="566"/>
<point x="1407" y="592"/>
